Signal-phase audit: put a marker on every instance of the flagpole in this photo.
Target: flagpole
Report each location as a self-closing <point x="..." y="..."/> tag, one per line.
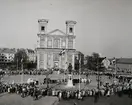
<point x="22" y="70"/>
<point x="79" y="73"/>
<point x="17" y="63"/>
<point x="115" y="69"/>
<point x="114" y="72"/>
<point x="62" y="53"/>
<point x="65" y="71"/>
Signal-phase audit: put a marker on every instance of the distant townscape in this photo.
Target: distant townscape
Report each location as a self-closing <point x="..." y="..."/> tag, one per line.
<point x="10" y="58"/>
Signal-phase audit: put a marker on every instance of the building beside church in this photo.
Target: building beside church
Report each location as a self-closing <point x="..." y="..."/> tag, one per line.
<point x="50" y="45"/>
<point x="122" y="65"/>
<point x="7" y="55"/>
<point x="106" y="63"/>
<point x="31" y="55"/>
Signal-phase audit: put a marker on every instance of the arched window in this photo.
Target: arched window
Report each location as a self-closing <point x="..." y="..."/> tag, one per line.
<point x="56" y="57"/>
<point x="42" y="28"/>
<point x="63" y="43"/>
<point x="49" y="43"/>
<point x="56" y="43"/>
<point x="70" y="30"/>
<point x="70" y="43"/>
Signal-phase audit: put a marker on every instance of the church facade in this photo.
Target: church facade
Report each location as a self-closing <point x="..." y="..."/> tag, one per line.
<point x="50" y="45"/>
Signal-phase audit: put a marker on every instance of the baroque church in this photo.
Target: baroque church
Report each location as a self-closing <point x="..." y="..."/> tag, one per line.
<point x="52" y="43"/>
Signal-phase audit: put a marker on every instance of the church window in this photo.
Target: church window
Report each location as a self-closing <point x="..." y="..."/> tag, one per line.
<point x="49" y="43"/>
<point x="63" y="45"/>
<point x="42" y="28"/>
<point x="69" y="58"/>
<point x="56" y="57"/>
<point x="42" y="41"/>
<point x="63" y="61"/>
<point x="70" y="30"/>
<point x="56" y="43"/>
<point x="49" y="60"/>
<point x="70" y="44"/>
<point x="42" y="38"/>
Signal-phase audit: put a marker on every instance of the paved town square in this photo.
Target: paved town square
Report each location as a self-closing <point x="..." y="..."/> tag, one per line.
<point x="15" y="99"/>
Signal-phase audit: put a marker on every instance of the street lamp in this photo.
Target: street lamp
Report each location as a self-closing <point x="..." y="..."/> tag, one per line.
<point x="22" y="70"/>
<point x="65" y="70"/>
<point x="98" y="75"/>
<point x="17" y="63"/>
<point x="47" y="81"/>
<point x="79" y="71"/>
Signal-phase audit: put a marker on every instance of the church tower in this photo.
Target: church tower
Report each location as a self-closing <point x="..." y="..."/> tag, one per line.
<point x="70" y="27"/>
<point x="43" y="26"/>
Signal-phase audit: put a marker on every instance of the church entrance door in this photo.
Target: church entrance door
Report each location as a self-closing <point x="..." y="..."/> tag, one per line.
<point x="56" y="64"/>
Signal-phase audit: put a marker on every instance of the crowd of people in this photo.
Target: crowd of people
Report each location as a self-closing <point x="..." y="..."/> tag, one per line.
<point x="40" y="72"/>
<point x="32" y="90"/>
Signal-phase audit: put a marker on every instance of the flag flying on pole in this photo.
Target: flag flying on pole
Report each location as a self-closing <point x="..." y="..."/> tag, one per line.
<point x="114" y="61"/>
<point x="62" y="52"/>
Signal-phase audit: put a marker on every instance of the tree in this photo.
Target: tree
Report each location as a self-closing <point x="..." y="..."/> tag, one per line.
<point x="97" y="61"/>
<point x="79" y="61"/>
<point x="95" y="55"/>
<point x="31" y="65"/>
<point x="20" y="57"/>
<point x="89" y="62"/>
<point x="94" y="62"/>
<point x="76" y="64"/>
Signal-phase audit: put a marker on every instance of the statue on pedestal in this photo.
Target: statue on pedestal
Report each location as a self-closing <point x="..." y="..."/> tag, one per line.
<point x="70" y="68"/>
<point x="70" y="79"/>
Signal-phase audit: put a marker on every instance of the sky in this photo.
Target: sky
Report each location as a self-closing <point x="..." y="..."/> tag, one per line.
<point x="103" y="26"/>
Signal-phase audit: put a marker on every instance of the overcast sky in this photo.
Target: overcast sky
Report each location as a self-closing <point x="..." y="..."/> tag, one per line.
<point x="103" y="26"/>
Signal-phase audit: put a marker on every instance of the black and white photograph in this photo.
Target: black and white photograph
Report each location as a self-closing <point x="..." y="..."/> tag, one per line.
<point x="65" y="52"/>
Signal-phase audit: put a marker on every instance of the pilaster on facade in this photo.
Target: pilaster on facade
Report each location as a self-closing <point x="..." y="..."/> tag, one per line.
<point x="52" y="65"/>
<point x="60" y="43"/>
<point x="66" y="62"/>
<point x="74" y="44"/>
<point x="66" y="42"/>
<point x="38" y="60"/>
<point x="46" y="42"/>
<point x="60" y="62"/>
<point x="52" y="42"/>
<point x="42" y="57"/>
<point x="73" y="60"/>
<point x="45" y="60"/>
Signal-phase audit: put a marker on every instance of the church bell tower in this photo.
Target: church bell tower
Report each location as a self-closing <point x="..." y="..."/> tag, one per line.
<point x="70" y="27"/>
<point x="43" y="26"/>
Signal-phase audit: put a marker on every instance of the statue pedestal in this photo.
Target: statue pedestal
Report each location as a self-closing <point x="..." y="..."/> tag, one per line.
<point x="69" y="81"/>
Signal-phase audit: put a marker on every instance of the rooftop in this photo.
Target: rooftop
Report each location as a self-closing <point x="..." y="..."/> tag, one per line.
<point x="30" y="51"/>
<point x="124" y="60"/>
<point x="7" y="50"/>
